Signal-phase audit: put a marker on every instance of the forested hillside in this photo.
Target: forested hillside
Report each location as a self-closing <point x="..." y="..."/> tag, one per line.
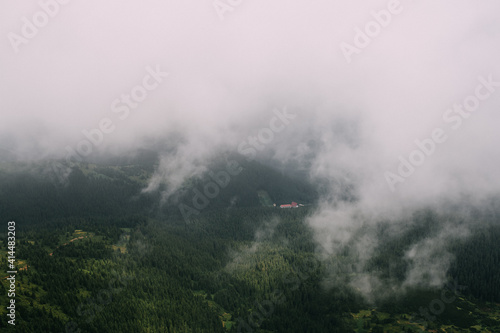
<point x="36" y="192"/>
<point x="96" y="255"/>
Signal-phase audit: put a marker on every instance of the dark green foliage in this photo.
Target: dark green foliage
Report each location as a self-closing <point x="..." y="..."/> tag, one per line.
<point x="478" y="264"/>
<point x="233" y="264"/>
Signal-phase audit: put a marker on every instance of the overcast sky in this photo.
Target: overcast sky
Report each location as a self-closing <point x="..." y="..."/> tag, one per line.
<point x="359" y="104"/>
<point x="229" y="65"/>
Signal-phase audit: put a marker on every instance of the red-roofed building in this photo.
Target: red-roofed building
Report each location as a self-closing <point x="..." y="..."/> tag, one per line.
<point x="292" y="205"/>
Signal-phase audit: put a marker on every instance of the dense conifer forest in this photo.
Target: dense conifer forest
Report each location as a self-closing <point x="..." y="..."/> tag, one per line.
<point x="93" y="255"/>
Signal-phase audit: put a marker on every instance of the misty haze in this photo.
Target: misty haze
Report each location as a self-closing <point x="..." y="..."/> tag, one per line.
<point x="249" y="166"/>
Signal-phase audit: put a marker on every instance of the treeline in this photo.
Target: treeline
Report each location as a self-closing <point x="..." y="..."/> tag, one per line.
<point x="478" y="264"/>
<point x="38" y="193"/>
<point x="31" y="199"/>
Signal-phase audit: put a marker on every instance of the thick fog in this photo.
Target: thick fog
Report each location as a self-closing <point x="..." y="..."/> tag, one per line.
<point x="396" y="101"/>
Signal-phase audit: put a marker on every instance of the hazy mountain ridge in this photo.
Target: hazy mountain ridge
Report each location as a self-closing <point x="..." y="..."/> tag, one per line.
<point x="52" y="188"/>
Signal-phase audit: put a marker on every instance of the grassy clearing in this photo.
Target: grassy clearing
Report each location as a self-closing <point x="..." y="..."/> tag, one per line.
<point x="224" y="316"/>
<point x="121" y="245"/>
<point x="375" y="321"/>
